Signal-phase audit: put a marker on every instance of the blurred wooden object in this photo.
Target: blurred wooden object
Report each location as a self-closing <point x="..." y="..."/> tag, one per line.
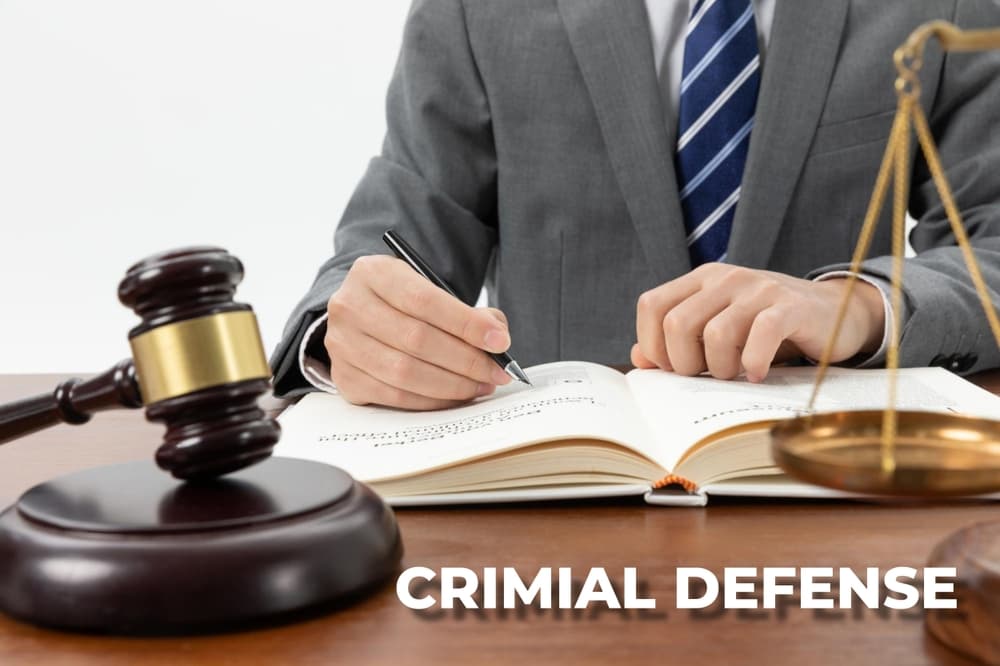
<point x="975" y="552"/>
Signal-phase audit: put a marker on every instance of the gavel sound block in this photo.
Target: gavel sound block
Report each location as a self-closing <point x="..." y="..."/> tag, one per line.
<point x="231" y="535"/>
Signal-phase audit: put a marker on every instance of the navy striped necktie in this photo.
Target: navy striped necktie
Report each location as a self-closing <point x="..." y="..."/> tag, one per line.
<point x="718" y="96"/>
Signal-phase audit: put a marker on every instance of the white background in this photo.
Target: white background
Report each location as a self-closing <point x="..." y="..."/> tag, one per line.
<point x="128" y="127"/>
<point x="132" y="126"/>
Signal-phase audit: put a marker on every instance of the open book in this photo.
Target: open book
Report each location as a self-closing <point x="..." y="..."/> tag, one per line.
<point x="585" y="430"/>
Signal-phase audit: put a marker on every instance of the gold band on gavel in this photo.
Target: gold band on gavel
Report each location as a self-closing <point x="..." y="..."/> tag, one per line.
<point x="194" y="354"/>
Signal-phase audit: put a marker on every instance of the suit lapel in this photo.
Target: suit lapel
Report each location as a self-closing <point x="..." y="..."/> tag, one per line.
<point x="798" y="68"/>
<point x="611" y="42"/>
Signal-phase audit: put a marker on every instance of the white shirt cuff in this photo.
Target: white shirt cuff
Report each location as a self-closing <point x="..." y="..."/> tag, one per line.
<point x="878" y="358"/>
<point x="315" y="371"/>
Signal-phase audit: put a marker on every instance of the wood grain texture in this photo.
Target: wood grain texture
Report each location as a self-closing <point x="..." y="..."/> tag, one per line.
<point x="612" y="534"/>
<point x="72" y="401"/>
<point x="202" y="383"/>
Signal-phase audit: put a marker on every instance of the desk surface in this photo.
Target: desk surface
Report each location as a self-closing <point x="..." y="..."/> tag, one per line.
<point x="580" y="535"/>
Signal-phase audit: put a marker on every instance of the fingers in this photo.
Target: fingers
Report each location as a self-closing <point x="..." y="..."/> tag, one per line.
<point x="726" y="319"/>
<point x="651" y="309"/>
<point x="396" y="339"/>
<point x="421" y="340"/>
<point x="771" y="327"/>
<point x="402" y="370"/>
<point x="683" y="329"/>
<point x="724" y="337"/>
<point x="398" y="285"/>
<point x="498" y="315"/>
<point x="360" y="388"/>
<point x="639" y="360"/>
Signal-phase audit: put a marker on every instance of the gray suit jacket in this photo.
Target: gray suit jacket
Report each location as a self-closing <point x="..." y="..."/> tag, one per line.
<point x="528" y="149"/>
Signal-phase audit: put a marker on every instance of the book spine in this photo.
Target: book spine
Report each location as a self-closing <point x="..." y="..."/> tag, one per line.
<point x="675" y="480"/>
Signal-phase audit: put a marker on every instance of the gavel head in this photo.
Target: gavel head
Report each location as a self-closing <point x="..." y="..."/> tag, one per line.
<point x="199" y="361"/>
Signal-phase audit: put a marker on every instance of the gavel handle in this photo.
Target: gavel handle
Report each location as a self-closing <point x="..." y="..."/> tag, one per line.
<point x="73" y="401"/>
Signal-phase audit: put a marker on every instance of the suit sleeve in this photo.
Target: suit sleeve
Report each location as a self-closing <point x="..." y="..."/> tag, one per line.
<point x="945" y="324"/>
<point x="435" y="181"/>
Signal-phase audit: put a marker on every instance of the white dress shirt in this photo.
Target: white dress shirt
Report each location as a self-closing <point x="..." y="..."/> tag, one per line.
<point x="668" y="23"/>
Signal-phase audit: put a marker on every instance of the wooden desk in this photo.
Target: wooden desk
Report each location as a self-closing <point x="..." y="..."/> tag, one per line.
<point x="581" y="535"/>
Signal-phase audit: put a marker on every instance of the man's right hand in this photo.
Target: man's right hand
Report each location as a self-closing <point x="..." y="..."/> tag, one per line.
<point x="395" y="339"/>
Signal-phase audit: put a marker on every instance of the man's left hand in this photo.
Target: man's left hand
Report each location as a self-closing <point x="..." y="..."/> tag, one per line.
<point x="727" y="319"/>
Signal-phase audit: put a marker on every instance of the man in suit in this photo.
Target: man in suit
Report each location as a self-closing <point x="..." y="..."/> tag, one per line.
<point x="672" y="183"/>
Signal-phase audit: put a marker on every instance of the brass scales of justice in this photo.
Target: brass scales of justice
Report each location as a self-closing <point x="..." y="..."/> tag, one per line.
<point x="912" y="453"/>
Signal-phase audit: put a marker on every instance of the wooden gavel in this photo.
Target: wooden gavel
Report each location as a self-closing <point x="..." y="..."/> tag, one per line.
<point x="198" y="366"/>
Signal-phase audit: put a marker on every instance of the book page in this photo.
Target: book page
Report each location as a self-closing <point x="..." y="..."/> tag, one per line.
<point x="566" y="401"/>
<point x="681" y="411"/>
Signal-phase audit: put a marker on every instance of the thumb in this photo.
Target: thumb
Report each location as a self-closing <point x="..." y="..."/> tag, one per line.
<point x="498" y="315"/>
<point x="639" y="360"/>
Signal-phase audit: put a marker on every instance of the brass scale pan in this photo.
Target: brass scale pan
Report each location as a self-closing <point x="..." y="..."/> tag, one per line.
<point x="936" y="455"/>
<point x="890" y="452"/>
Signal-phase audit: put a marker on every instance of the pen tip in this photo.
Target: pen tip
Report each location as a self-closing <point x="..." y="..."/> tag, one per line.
<point x="515" y="371"/>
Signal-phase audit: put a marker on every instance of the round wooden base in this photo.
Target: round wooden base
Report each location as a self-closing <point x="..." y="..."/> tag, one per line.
<point x="127" y="549"/>
<point x="973" y="628"/>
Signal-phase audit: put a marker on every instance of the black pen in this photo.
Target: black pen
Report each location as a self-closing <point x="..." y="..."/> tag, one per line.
<point x="402" y="250"/>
